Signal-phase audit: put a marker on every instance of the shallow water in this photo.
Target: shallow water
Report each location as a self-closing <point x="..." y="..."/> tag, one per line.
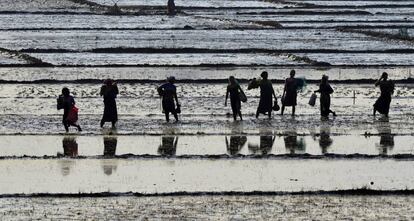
<point x="145" y="155"/>
<point x="195" y="175"/>
<point x="289" y="144"/>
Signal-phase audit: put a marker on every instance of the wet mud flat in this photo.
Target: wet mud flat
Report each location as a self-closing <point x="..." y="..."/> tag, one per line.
<point x="321" y="144"/>
<point x="206" y="166"/>
<point x="324" y="207"/>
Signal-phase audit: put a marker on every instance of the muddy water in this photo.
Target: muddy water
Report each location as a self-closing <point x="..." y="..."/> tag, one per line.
<point x="236" y="145"/>
<point x="206" y="152"/>
<point x="197" y="175"/>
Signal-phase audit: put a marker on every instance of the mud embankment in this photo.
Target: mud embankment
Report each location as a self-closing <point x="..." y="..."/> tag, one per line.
<point x="345" y="192"/>
<point x="31" y="61"/>
<point x="328" y="156"/>
<point x="377" y="34"/>
<point x="191" y="81"/>
<point x="132" y="50"/>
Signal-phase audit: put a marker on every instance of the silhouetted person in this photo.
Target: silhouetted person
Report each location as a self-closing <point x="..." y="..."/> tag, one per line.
<point x="234" y="89"/>
<point x="171" y="7"/>
<point x="67" y="103"/>
<point x="110" y="143"/>
<point x="236" y="144"/>
<point x="382" y="105"/>
<point x="168" y="92"/>
<point x="326" y="90"/>
<point x="168" y="146"/>
<point x="70" y="147"/>
<point x="109" y="91"/>
<point x="290" y="93"/>
<point x="266" y="92"/>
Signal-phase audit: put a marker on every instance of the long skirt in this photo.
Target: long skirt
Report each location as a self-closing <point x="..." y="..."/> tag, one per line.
<point x="168" y="106"/>
<point x="290" y="98"/>
<point x="265" y="104"/>
<point x="382" y="105"/>
<point x="110" y="111"/>
<point x="235" y="104"/>
<point x="325" y="105"/>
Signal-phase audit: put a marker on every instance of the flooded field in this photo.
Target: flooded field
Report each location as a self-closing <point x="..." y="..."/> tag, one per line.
<point x="206" y="166"/>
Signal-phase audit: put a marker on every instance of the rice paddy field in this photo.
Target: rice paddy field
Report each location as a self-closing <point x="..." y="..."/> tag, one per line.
<point x="206" y="166"/>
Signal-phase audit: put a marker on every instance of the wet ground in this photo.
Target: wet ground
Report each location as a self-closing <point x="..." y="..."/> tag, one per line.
<point x="353" y="166"/>
<point x="320" y="207"/>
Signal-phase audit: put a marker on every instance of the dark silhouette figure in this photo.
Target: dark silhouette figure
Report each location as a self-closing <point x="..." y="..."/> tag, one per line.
<point x="382" y="105"/>
<point x="234" y="90"/>
<point x="67" y="102"/>
<point x="168" y="92"/>
<point x="236" y="144"/>
<point x="168" y="146"/>
<point x="290" y="93"/>
<point x="70" y="147"/>
<point x="325" y="140"/>
<point x="109" y="91"/>
<point x="171" y="8"/>
<point x="265" y="147"/>
<point x="266" y="92"/>
<point x="110" y="143"/>
<point x="326" y="90"/>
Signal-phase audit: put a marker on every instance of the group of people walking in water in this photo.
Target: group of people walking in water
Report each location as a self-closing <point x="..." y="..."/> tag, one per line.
<point x="267" y="103"/>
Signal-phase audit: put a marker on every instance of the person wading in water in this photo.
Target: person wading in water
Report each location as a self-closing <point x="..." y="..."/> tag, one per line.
<point x="382" y="105"/>
<point x="168" y="92"/>
<point x="109" y="91"/>
<point x="234" y="89"/>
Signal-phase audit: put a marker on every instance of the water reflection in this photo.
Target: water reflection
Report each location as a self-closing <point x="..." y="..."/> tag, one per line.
<point x="70" y="149"/>
<point x="236" y="144"/>
<point x="325" y="140"/>
<point x="168" y="146"/>
<point x="110" y="143"/>
<point x="265" y="146"/>
<point x="386" y="137"/>
<point x="293" y="144"/>
<point x="70" y="146"/>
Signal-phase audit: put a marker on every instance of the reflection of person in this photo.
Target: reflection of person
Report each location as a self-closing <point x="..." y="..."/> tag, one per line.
<point x="70" y="147"/>
<point x="109" y="166"/>
<point x="382" y="105"/>
<point x="266" y="92"/>
<point x="386" y="137"/>
<point x="236" y="144"/>
<point x="110" y="143"/>
<point x="109" y="91"/>
<point x="168" y="92"/>
<point x="326" y="90"/>
<point x="67" y="103"/>
<point x="168" y="146"/>
<point x="265" y="147"/>
<point x="290" y="93"/>
<point x="234" y="89"/>
<point x="293" y="144"/>
<point x="325" y="140"/>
